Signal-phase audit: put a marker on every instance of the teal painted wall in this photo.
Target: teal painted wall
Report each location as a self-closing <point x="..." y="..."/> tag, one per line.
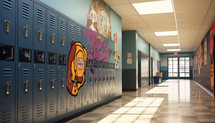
<point x="154" y="53"/>
<point x="142" y="45"/>
<point x="128" y="45"/>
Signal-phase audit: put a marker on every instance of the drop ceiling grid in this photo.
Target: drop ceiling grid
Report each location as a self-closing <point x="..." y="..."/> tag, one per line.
<point x="191" y="16"/>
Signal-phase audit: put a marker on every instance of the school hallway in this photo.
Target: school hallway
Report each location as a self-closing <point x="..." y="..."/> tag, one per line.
<point x="173" y="101"/>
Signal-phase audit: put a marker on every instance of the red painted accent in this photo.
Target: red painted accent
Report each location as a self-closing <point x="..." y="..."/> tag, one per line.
<point x="175" y="53"/>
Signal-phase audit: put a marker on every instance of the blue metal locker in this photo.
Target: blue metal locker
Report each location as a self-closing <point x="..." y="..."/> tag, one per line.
<point x="25" y="59"/>
<point x="85" y="43"/>
<point x="62" y="65"/>
<point x="39" y="83"/>
<point x="71" y="37"/>
<point x="104" y="81"/>
<point x="78" y="32"/>
<point x="95" y="82"/>
<point x="7" y="61"/>
<point x="52" y="59"/>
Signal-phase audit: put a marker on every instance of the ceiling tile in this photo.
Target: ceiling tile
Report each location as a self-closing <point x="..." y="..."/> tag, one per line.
<point x="124" y="9"/>
<point x="188" y="5"/>
<point x="116" y="2"/>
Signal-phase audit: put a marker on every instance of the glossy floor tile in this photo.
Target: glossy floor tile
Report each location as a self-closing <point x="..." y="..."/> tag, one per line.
<point x="173" y="101"/>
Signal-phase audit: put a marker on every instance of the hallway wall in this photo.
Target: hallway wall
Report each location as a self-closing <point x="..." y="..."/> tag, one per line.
<point x="164" y="63"/>
<point x="131" y="44"/>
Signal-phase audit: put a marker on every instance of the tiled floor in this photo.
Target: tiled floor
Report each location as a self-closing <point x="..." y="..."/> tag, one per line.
<point x="173" y="101"/>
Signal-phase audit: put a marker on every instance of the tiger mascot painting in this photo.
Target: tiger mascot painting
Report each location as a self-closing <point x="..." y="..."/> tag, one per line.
<point x="77" y="61"/>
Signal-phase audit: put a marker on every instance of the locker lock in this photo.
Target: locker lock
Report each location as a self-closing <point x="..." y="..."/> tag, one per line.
<point x="7" y="25"/>
<point x="40" y="85"/>
<point x="7" y="88"/>
<point x="40" y="35"/>
<point x="26" y="86"/>
<point x="52" y="38"/>
<point x="107" y="78"/>
<point x="103" y="78"/>
<point x="26" y="31"/>
<point x="52" y="83"/>
<point x="62" y="41"/>
<point x="63" y="82"/>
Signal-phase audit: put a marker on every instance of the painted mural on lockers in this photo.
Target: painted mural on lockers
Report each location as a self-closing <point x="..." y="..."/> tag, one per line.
<point x="98" y="18"/>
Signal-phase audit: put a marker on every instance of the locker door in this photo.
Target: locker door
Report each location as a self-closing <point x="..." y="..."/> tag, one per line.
<point x="104" y="81"/>
<point x="71" y="37"/>
<point x="39" y="83"/>
<point x="25" y="65"/>
<point x="51" y="85"/>
<point x="95" y="82"/>
<point x="78" y="33"/>
<point x="113" y="79"/>
<point x="85" y="43"/>
<point x="90" y="86"/>
<point x="62" y="74"/>
<point x="7" y="61"/>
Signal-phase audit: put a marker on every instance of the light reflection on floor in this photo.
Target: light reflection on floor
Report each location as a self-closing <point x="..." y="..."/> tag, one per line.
<point x="140" y="109"/>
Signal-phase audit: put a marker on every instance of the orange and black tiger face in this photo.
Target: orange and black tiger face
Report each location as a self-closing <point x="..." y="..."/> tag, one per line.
<point x="76" y="67"/>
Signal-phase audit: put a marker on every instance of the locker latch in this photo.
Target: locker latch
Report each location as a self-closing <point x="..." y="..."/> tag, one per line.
<point x="62" y="41"/>
<point x="113" y="78"/>
<point x="40" y="85"/>
<point x="26" y="86"/>
<point x="95" y="80"/>
<point x="7" y="25"/>
<point x="7" y="88"/>
<point x="40" y="35"/>
<point x="63" y="82"/>
<point x="52" y="83"/>
<point x="107" y="78"/>
<point x="26" y="31"/>
<point x="91" y="80"/>
<point x="52" y="38"/>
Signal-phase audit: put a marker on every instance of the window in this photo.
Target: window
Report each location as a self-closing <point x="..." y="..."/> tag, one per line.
<point x="173" y="67"/>
<point x="184" y="66"/>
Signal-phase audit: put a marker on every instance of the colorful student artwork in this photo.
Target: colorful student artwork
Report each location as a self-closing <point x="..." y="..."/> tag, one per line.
<point x="212" y="33"/>
<point x="77" y="61"/>
<point x="98" y="18"/>
<point x="205" y="51"/>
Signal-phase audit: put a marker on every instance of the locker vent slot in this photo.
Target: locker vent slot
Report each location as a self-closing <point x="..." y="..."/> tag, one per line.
<point x="52" y="72"/>
<point x="26" y="72"/>
<point x="71" y="29"/>
<point x="6" y="117"/>
<point x="52" y="21"/>
<point x="61" y="103"/>
<point x="40" y="16"/>
<point x="39" y="109"/>
<point x="79" y="99"/>
<point x="62" y="25"/>
<point x="25" y="114"/>
<point x="51" y="105"/>
<point x="62" y="72"/>
<point x="39" y="72"/>
<point x="25" y="10"/>
<point x="79" y="32"/>
<point x="71" y="103"/>
<point x="7" y="4"/>
<point x="7" y="72"/>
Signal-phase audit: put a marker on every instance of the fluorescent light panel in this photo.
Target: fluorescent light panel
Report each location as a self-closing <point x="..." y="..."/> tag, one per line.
<point x="166" y="33"/>
<point x="173" y="50"/>
<point x="154" y="7"/>
<point x="168" y="45"/>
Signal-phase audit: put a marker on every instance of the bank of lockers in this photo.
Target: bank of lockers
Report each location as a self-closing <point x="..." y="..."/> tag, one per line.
<point x="34" y="48"/>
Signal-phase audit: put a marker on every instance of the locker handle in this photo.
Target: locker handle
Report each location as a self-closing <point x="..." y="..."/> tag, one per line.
<point x="7" y="88"/>
<point x="52" y="83"/>
<point x="113" y="78"/>
<point x="7" y="25"/>
<point x="91" y="80"/>
<point x="52" y="38"/>
<point x="62" y="41"/>
<point x="26" y="86"/>
<point x="63" y="82"/>
<point x="40" y="35"/>
<point x="107" y="78"/>
<point x="26" y="30"/>
<point x="103" y="78"/>
<point x="40" y="85"/>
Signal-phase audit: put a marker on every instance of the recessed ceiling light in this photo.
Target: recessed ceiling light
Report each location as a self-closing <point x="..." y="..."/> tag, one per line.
<point x="167" y="45"/>
<point x="173" y="49"/>
<point x="166" y="33"/>
<point x="154" y="7"/>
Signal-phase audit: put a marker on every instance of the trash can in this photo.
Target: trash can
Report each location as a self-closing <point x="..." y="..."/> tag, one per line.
<point x="157" y="79"/>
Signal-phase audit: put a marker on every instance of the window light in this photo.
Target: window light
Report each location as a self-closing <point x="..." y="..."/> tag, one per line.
<point x="173" y="49"/>
<point x="166" y="33"/>
<point x="167" y="45"/>
<point x="155" y="7"/>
